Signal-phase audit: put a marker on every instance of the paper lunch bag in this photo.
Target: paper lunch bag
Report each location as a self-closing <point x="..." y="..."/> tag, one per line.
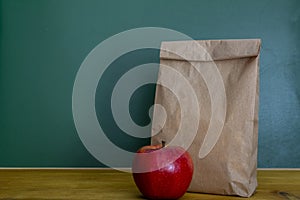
<point x="208" y="95"/>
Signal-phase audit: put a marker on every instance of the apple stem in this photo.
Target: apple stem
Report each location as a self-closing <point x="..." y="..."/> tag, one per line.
<point x="163" y="143"/>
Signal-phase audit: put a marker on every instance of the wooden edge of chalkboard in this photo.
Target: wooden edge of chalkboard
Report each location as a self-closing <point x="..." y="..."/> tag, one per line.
<point x="118" y="169"/>
<point x="285" y="169"/>
<point x="66" y="168"/>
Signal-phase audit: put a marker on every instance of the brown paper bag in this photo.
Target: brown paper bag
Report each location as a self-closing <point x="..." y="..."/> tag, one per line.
<point x="208" y="92"/>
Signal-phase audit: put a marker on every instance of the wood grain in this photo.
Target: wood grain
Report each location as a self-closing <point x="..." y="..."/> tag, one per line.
<point x="59" y="184"/>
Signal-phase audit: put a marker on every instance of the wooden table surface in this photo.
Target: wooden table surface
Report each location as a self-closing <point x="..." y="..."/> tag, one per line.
<point x="58" y="184"/>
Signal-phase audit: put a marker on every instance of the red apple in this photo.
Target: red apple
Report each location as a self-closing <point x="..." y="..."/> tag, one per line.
<point x="162" y="172"/>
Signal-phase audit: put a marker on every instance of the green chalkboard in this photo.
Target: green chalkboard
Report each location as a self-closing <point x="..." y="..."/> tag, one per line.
<point x="44" y="42"/>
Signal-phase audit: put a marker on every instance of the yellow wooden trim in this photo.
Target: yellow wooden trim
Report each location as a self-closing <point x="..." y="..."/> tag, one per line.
<point x="106" y="168"/>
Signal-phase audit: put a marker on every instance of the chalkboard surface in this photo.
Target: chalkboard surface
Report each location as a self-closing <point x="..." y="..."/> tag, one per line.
<point x="44" y="42"/>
